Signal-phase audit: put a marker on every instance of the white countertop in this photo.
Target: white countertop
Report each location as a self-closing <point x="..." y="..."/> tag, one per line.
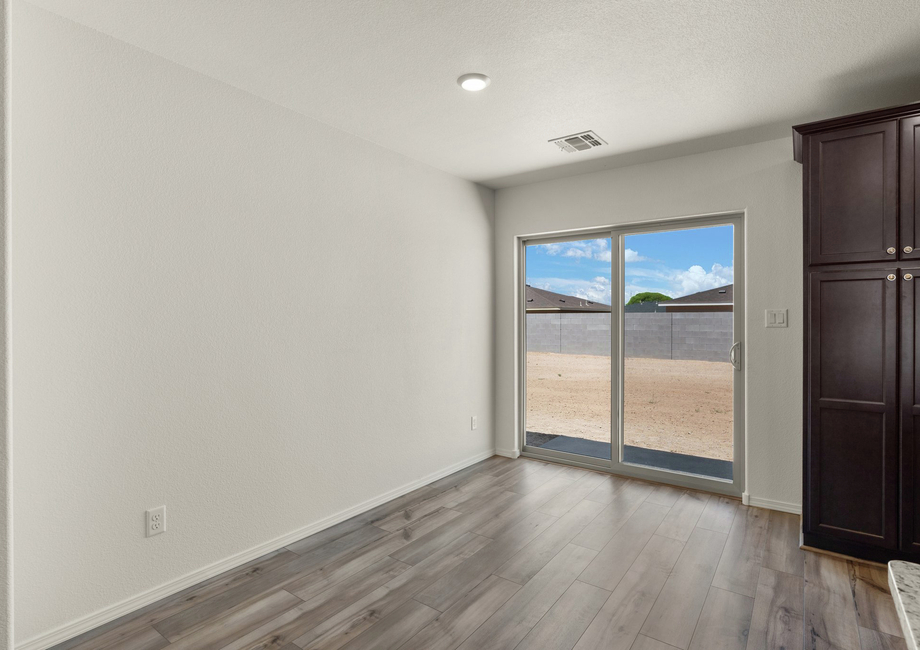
<point x="904" y="581"/>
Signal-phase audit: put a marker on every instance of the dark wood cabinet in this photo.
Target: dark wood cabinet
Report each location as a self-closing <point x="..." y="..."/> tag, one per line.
<point x="910" y="188"/>
<point x="910" y="410"/>
<point x="861" y="489"/>
<point x="853" y="195"/>
<point x="852" y="475"/>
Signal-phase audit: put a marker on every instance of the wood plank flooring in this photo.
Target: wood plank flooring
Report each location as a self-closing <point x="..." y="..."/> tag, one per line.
<point x="526" y="555"/>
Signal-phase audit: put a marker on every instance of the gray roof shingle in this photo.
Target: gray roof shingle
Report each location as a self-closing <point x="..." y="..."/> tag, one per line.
<point x="543" y="300"/>
<point x="719" y="295"/>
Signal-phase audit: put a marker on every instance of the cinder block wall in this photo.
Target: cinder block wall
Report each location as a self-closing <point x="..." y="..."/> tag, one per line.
<point x="544" y="333"/>
<point x="585" y="334"/>
<point x="648" y="335"/>
<point x="703" y="336"/>
<point x="706" y="336"/>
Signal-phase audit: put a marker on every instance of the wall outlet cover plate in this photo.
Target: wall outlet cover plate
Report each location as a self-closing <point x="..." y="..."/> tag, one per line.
<point x="156" y="521"/>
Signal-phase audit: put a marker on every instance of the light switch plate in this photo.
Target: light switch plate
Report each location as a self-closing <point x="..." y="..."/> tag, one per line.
<point x="777" y="318"/>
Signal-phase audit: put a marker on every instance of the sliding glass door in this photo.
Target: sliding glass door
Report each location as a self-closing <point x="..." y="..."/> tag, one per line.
<point x="632" y="344"/>
<point x="567" y="297"/>
<point x="680" y="381"/>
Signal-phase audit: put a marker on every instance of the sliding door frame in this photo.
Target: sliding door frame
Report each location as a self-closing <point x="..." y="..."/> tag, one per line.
<point x="735" y="487"/>
<point x="578" y="460"/>
<point x="615" y="465"/>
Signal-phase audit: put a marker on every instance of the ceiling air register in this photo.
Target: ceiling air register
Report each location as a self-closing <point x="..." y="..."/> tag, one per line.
<point x="579" y="142"/>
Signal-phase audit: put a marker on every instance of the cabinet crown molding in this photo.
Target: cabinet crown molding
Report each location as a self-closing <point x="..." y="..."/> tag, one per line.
<point x="855" y="119"/>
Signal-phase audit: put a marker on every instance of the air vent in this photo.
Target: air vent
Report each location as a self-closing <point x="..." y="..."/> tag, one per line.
<point x="578" y="142"/>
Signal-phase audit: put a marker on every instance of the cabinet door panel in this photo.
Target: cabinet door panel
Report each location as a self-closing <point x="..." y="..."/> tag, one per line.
<point x="849" y="350"/>
<point x="910" y="412"/>
<point x="910" y="188"/>
<point x="851" y="482"/>
<point x="852" y="181"/>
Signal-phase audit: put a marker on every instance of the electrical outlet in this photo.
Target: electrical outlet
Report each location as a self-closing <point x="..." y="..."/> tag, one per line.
<point x="474" y="422"/>
<point x="156" y="521"/>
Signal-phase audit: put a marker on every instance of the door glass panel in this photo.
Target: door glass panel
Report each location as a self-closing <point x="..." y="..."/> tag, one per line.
<point x="568" y="298"/>
<point x="677" y="376"/>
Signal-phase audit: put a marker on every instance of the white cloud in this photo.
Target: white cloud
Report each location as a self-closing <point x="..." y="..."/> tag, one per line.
<point x="590" y="249"/>
<point x="697" y="279"/>
<point x="597" y="291"/>
<point x="587" y="249"/>
<point x="671" y="282"/>
<point x="633" y="256"/>
<point x="653" y="276"/>
<point x="678" y="282"/>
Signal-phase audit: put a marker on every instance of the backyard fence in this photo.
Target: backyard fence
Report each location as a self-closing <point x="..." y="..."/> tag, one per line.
<point x="702" y="336"/>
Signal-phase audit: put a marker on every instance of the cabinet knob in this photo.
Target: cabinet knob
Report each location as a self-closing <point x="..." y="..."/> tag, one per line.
<point x="908" y="276"/>
<point x="892" y="250"/>
<point x="908" y="249"/>
<point x="892" y="277"/>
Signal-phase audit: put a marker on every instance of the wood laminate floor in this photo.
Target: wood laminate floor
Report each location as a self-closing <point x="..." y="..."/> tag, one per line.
<point x="525" y="555"/>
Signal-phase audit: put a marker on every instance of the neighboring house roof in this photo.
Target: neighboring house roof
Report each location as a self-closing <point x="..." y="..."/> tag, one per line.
<point x="718" y="296"/>
<point x="547" y="301"/>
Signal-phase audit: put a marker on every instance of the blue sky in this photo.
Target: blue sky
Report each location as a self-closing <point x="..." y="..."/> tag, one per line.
<point x="675" y="263"/>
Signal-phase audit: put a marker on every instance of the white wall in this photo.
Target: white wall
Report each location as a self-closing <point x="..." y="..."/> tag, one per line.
<point x="6" y="510"/>
<point x="761" y="179"/>
<point x="221" y="306"/>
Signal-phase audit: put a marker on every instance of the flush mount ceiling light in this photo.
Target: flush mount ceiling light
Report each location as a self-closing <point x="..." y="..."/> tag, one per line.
<point x="473" y="81"/>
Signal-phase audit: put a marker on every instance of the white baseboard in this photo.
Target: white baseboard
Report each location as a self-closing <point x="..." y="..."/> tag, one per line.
<point x="508" y="453"/>
<point x="103" y="616"/>
<point x="770" y="504"/>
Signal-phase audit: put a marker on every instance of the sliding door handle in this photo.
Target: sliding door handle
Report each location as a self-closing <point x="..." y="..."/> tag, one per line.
<point x="733" y="355"/>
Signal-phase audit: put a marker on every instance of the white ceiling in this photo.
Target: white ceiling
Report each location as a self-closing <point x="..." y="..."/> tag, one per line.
<point x="655" y="78"/>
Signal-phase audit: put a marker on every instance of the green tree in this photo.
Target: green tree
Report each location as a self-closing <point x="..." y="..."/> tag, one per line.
<point x="647" y="296"/>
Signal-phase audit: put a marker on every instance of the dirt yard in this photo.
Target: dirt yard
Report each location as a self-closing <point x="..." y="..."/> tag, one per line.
<point x="679" y="406"/>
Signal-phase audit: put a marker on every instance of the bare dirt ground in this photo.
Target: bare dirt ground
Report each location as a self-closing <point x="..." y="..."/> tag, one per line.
<point x="679" y="406"/>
